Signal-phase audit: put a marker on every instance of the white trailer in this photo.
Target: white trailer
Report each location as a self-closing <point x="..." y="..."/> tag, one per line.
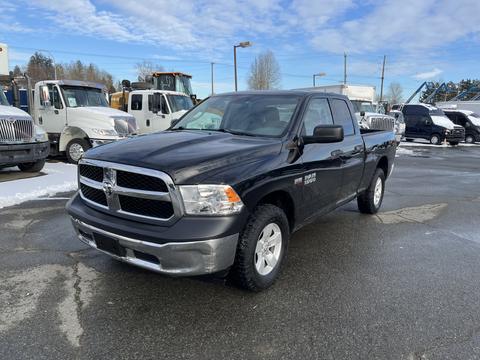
<point x="3" y="59"/>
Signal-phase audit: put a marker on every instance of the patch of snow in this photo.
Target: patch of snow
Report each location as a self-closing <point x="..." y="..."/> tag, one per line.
<point x="402" y="151"/>
<point x="59" y="177"/>
<point x="425" y="143"/>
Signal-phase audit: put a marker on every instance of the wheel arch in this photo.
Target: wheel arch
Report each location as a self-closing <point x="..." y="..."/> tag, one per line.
<point x="69" y="133"/>
<point x="284" y="200"/>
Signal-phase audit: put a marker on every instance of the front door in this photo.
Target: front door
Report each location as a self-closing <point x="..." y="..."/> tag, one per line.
<point x="52" y="118"/>
<point x="161" y="120"/>
<point x="353" y="152"/>
<point x="322" y="172"/>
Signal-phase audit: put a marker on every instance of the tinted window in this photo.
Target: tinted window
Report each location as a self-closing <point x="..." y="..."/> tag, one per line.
<point x="342" y="116"/>
<point x="317" y="113"/>
<point x="259" y="115"/>
<point x="136" y="102"/>
<point x="414" y="110"/>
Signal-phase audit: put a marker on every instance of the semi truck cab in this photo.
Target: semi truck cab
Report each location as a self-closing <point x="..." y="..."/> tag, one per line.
<point x="22" y="143"/>
<point x="76" y="116"/>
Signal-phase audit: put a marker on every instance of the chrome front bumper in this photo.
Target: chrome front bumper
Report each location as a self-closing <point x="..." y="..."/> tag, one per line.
<point x="174" y="258"/>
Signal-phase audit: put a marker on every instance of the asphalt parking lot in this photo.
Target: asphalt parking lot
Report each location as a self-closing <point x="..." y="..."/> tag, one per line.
<point x="400" y="285"/>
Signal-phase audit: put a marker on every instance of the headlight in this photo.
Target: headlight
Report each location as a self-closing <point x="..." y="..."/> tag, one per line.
<point x="210" y="200"/>
<point x="40" y="134"/>
<point x="105" y="132"/>
<point x="447" y="131"/>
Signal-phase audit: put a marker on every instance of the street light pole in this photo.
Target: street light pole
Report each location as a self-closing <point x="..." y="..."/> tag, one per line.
<point x="243" y="44"/>
<point x="315" y="75"/>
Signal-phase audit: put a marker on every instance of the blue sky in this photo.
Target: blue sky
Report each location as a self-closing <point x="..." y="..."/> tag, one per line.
<point x="423" y="40"/>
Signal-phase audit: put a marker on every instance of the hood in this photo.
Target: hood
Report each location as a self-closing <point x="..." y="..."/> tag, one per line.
<point x="99" y="111"/>
<point x="443" y="121"/>
<point x="475" y="120"/>
<point x="188" y="156"/>
<point x="12" y="111"/>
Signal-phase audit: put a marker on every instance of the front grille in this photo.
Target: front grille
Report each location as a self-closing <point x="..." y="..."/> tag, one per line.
<point x="129" y="192"/>
<point x="146" y="207"/>
<point x="382" y="123"/>
<point x="92" y="194"/>
<point x="91" y="172"/>
<point x="125" y="126"/>
<point x="140" y="182"/>
<point x="16" y="130"/>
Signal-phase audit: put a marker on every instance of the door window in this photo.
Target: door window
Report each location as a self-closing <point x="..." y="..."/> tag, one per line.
<point x="317" y="113"/>
<point x="136" y="103"/>
<point x="56" y="100"/>
<point x="342" y="116"/>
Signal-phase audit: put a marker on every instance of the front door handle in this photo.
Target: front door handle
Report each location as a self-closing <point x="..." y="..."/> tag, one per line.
<point x="56" y="111"/>
<point x="336" y="153"/>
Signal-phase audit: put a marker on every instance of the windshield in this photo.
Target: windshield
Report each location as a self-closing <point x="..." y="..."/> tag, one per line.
<point x="79" y="96"/>
<point x="3" y="99"/>
<point x="256" y="115"/>
<point x="179" y="102"/>
<point x="183" y="85"/>
<point x="360" y="106"/>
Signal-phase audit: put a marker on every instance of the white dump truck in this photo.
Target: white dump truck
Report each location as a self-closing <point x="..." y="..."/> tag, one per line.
<point x="76" y="117"/>
<point x="154" y="110"/>
<point x="366" y="112"/>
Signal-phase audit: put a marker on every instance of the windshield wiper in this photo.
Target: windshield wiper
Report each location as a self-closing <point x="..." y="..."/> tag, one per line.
<point x="232" y="132"/>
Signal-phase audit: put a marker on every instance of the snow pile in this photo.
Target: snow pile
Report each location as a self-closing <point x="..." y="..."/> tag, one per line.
<point x="59" y="178"/>
<point x="402" y="151"/>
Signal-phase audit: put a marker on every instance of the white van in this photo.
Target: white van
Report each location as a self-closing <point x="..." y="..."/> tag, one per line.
<point x="154" y="110"/>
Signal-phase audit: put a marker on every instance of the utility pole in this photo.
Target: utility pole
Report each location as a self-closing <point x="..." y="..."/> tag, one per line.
<point x="383" y="76"/>
<point x="345" y="68"/>
<point x="213" y="92"/>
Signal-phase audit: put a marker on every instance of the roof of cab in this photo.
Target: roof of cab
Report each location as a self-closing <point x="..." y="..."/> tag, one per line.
<point x="151" y="91"/>
<point x="72" y="83"/>
<point x="298" y="92"/>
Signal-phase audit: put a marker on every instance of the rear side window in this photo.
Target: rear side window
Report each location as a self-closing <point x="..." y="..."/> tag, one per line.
<point x="342" y="116"/>
<point x="136" y="102"/>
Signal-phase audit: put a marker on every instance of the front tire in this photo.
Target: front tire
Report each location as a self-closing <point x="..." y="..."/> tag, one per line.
<point x="75" y="149"/>
<point x="370" y="200"/>
<point x="261" y="249"/>
<point x="453" y="143"/>
<point x="435" y="139"/>
<point x="35" y="166"/>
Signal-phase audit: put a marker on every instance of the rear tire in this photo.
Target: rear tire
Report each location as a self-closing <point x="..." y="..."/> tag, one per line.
<point x="35" y="166"/>
<point x="261" y="249"/>
<point x="75" y="149"/>
<point x="469" y="139"/>
<point x="370" y="201"/>
<point x="435" y="139"/>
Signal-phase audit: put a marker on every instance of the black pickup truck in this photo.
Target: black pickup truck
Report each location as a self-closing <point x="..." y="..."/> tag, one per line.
<point x="226" y="186"/>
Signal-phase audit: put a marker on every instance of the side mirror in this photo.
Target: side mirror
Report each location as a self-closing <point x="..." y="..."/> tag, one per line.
<point x="362" y="113"/>
<point x="325" y="134"/>
<point x="428" y="122"/>
<point x="174" y="122"/>
<point x="45" y="96"/>
<point x="157" y="103"/>
<point x="126" y="83"/>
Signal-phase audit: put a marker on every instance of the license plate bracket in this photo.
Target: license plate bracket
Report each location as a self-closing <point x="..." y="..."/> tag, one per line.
<point x="109" y="244"/>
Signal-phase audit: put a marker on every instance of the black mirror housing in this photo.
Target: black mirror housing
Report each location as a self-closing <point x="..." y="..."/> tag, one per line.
<point x="362" y="113"/>
<point x="325" y="134"/>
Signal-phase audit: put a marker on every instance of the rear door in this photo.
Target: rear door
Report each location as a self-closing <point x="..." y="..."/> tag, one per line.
<point x="352" y="149"/>
<point x="322" y="165"/>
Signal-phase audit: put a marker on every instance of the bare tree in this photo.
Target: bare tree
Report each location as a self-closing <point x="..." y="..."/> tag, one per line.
<point x="395" y="93"/>
<point x="264" y="72"/>
<point x="146" y="67"/>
